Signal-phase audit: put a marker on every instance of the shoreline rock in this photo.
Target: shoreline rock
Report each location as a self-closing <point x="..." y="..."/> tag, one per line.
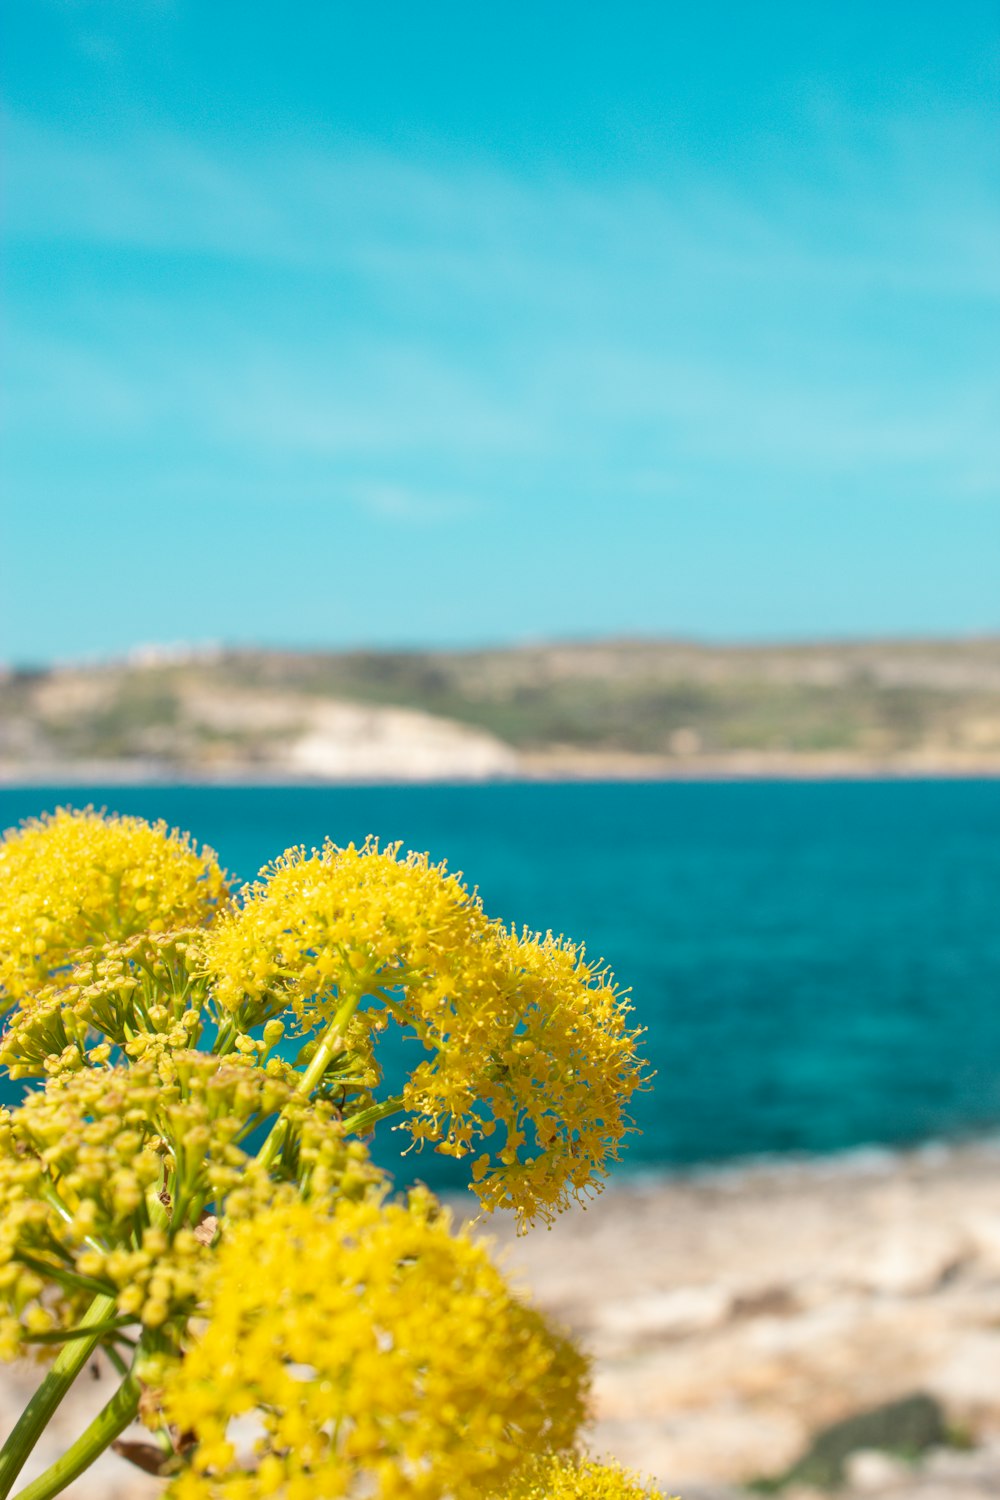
<point x="733" y="1315"/>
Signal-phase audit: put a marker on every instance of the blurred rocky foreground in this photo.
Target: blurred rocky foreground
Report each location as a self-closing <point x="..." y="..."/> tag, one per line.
<point x="734" y="1315"/>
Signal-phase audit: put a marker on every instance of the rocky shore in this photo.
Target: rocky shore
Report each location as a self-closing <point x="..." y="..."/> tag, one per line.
<point x="734" y="1314"/>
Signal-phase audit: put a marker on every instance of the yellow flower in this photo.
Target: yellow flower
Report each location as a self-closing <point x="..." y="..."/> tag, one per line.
<point x="74" y="879"/>
<point x="560" y="1478"/>
<point x="336" y="924"/>
<point x="152" y="984"/>
<point x="532" y="1064"/>
<point x="377" y="1352"/>
<point x="106" y="1173"/>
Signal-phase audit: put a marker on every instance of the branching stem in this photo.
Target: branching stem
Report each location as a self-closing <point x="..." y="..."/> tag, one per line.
<point x="109" y="1423"/>
<point x="313" y="1075"/>
<point x="37" y="1414"/>
<point x="363" y="1121"/>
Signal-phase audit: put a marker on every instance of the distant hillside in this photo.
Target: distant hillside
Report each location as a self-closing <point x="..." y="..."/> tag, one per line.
<point x="611" y="708"/>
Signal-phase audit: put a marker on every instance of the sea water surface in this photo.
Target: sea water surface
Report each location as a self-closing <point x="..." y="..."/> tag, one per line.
<point x="817" y="964"/>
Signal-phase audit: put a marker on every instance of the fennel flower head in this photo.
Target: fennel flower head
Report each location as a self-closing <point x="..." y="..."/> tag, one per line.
<point x="530" y="1063"/>
<point x="338" y="923"/>
<point x="533" y="1067"/>
<point x="105" y="1174"/>
<point x="116" y="997"/>
<point x="378" y="1354"/>
<point x="74" y="879"/>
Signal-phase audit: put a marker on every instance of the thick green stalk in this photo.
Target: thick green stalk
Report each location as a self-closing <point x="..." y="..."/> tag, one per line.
<point x="109" y="1423"/>
<point x="36" y="1415"/>
<point x="313" y="1075"/>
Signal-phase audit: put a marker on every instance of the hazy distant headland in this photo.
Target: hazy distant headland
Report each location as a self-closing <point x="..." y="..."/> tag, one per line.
<point x="610" y="709"/>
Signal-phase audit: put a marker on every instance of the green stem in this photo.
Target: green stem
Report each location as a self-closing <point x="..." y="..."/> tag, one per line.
<point x="116" y="1359"/>
<point x="66" y="1336"/>
<point x="109" y="1423"/>
<point x="36" y="1415"/>
<point x="365" y="1118"/>
<point x="225" y="1039"/>
<point x="312" y="1076"/>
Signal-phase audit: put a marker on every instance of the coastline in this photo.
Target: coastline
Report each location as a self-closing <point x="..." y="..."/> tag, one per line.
<point x="601" y="710"/>
<point x="536" y="770"/>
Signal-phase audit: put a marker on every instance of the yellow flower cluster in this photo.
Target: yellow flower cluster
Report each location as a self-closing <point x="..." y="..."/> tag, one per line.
<point x="209" y="1212"/>
<point x="380" y="1354"/>
<point x="76" y="879"/>
<point x="152" y="984"/>
<point x="337" y="924"/>
<point x="78" y="1164"/>
<point x="535" y="1060"/>
<point x="559" y="1478"/>
<point x="530" y="1044"/>
<point x="106" y="1174"/>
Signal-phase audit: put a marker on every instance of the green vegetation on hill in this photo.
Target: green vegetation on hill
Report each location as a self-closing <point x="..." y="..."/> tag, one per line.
<point x="875" y="701"/>
<point x="639" y="698"/>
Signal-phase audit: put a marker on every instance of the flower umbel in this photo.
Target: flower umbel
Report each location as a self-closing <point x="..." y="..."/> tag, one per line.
<point x="532" y="1061"/>
<point x="73" y="879"/>
<point x="382" y="1355"/>
<point x="106" y="1175"/>
<point x="150" y="985"/>
<point x="533" y="1067"/>
<point x="337" y="923"/>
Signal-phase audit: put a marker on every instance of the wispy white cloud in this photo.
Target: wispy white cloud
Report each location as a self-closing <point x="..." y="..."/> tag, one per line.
<point x="466" y="317"/>
<point x="913" y="201"/>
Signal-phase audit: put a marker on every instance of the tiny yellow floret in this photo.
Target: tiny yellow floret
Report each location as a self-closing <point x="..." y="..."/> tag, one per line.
<point x="560" y="1478"/>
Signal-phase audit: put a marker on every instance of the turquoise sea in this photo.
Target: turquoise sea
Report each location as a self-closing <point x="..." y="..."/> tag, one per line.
<point x="817" y="964"/>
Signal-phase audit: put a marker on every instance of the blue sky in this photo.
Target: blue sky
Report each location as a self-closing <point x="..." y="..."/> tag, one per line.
<point x="412" y="324"/>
